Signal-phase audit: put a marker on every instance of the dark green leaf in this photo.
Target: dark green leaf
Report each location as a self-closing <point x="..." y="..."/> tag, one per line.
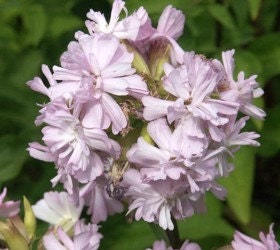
<point x="254" y="8"/>
<point x="64" y="23"/>
<point x="240" y="184"/>
<point x="12" y="157"/>
<point x="121" y="235"/>
<point x="210" y="229"/>
<point x="248" y="62"/>
<point x="270" y="136"/>
<point x="222" y="15"/>
<point x="35" y="23"/>
<point x="268" y="51"/>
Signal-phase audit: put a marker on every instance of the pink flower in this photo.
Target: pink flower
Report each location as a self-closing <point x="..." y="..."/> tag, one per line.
<point x="243" y="90"/>
<point x="174" y="156"/>
<point x="170" y="28"/>
<point x="55" y="90"/>
<point x="100" y="205"/>
<point x="73" y="147"/>
<point x="192" y="84"/>
<point x="58" y="210"/>
<point x="268" y="242"/>
<point x="86" y="237"/>
<point x="146" y="30"/>
<point x="171" y="25"/>
<point x="231" y="140"/>
<point x="171" y="22"/>
<point x="8" y="208"/>
<point x="127" y="28"/>
<point x="101" y="72"/>
<point x="156" y="201"/>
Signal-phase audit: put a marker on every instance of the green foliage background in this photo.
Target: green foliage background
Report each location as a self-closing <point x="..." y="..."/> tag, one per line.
<point x="33" y="32"/>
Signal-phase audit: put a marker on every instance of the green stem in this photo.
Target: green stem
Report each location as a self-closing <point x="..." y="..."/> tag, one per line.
<point x="173" y="235"/>
<point x="159" y="232"/>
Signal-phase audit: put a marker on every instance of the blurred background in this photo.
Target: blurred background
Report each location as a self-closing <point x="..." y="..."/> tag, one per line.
<point x="35" y="32"/>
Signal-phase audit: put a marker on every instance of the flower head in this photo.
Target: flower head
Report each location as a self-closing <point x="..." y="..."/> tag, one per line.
<point x="58" y="210"/>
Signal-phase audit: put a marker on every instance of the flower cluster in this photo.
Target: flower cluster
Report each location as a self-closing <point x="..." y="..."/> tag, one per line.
<point x="125" y="74"/>
<point x="189" y="103"/>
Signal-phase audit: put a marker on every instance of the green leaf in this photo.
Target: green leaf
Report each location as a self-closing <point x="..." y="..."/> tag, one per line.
<point x="120" y="235"/>
<point x="222" y="15"/>
<point x="267" y="49"/>
<point x="240" y="184"/>
<point x="270" y="135"/>
<point x="12" y="157"/>
<point x="64" y="23"/>
<point x="208" y="230"/>
<point x="248" y="62"/>
<point x="26" y="67"/>
<point x="254" y="8"/>
<point x="35" y="23"/>
<point x="240" y="8"/>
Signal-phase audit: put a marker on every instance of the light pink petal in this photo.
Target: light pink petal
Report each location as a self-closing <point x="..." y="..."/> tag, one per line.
<point x="103" y="54"/>
<point x="37" y="85"/>
<point x="94" y="116"/>
<point x="252" y="110"/>
<point x="165" y="221"/>
<point x="160" y="133"/>
<point x="171" y="22"/>
<point x="128" y="28"/>
<point x="145" y="154"/>
<point x="114" y="112"/>
<point x="225" y="107"/>
<point x="50" y="242"/>
<point x="40" y="152"/>
<point x="117" y="7"/>
<point x="115" y="86"/>
<point x="228" y="62"/>
<point x="155" y="108"/>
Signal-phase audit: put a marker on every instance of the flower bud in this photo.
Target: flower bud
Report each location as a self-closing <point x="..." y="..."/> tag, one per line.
<point x="12" y="236"/>
<point x="146" y="136"/>
<point x="159" y="54"/>
<point x="29" y="218"/>
<point x="138" y="62"/>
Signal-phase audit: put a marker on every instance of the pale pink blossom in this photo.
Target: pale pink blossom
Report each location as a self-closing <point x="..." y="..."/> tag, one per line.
<point x="157" y="201"/>
<point x="73" y="147"/>
<point x="231" y="140"/>
<point x="8" y="208"/>
<point x="100" y="205"/>
<point x="55" y="89"/>
<point x="127" y="28"/>
<point x="192" y="84"/>
<point x="169" y="29"/>
<point x="244" y="242"/>
<point x="89" y="64"/>
<point x="243" y="90"/>
<point x="86" y="237"/>
<point x="146" y="30"/>
<point x="161" y="245"/>
<point x="173" y="157"/>
<point x="58" y="210"/>
<point x="171" y="25"/>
